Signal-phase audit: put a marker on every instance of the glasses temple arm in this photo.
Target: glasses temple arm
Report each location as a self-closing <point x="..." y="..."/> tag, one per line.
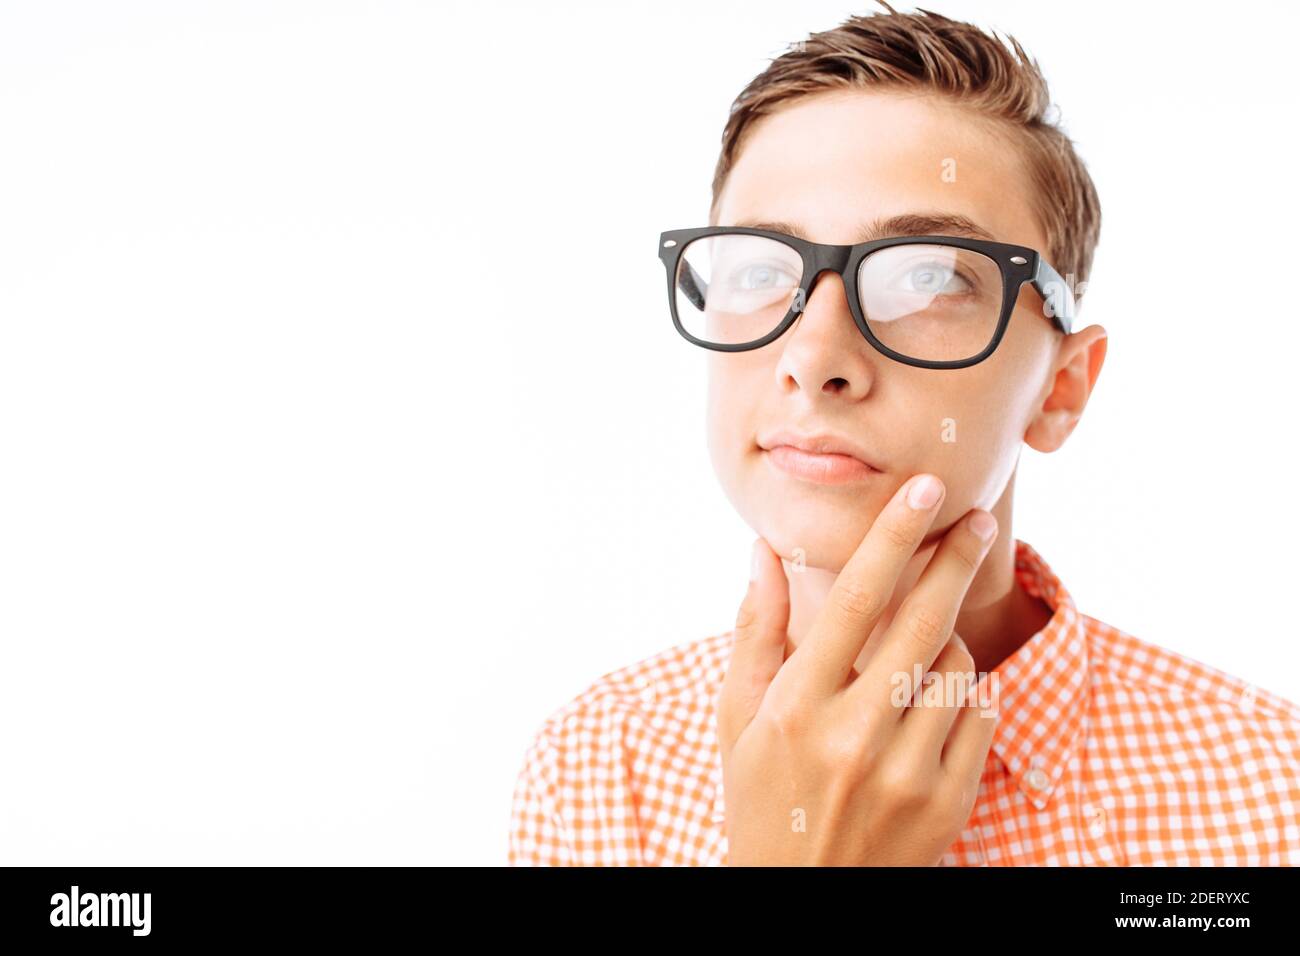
<point x="1055" y="292"/>
<point x="689" y="281"/>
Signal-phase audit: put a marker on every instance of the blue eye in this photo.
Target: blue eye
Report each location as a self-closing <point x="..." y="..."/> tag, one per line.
<point x="758" y="277"/>
<point x="935" y="278"/>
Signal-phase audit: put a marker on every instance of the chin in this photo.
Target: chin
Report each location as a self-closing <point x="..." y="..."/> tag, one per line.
<point x="820" y="537"/>
<point x="823" y="523"/>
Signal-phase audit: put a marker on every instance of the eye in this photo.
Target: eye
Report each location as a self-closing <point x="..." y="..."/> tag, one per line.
<point x="935" y="278"/>
<point x="759" y="277"/>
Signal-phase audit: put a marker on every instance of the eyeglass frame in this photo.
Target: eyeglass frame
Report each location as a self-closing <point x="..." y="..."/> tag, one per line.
<point x="1019" y="264"/>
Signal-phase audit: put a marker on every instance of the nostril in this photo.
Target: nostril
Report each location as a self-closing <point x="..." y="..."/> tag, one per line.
<point x="835" y="385"/>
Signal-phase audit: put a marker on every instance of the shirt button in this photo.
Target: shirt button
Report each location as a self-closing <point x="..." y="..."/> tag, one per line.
<point x="1096" y="817"/>
<point x="1037" y="779"/>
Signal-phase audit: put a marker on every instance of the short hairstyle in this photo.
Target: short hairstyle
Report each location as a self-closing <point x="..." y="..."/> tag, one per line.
<point x="927" y="52"/>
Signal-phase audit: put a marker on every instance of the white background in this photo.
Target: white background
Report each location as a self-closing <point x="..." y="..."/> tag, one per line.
<point x="315" y="502"/>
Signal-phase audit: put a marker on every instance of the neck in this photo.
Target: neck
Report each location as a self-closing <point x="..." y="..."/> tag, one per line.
<point x="996" y="615"/>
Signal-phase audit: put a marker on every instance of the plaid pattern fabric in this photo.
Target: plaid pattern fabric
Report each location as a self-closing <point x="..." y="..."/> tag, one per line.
<point x="1109" y="751"/>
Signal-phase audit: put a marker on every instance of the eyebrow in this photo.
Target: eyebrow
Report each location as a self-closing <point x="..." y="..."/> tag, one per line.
<point x="906" y="224"/>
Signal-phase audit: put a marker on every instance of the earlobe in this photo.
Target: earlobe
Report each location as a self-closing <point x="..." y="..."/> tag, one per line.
<point x="1079" y="364"/>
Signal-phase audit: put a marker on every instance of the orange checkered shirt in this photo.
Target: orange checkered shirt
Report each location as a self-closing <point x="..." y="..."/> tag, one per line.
<point x="1109" y="751"/>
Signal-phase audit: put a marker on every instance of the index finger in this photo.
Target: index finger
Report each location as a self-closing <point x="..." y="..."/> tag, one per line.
<point x="862" y="590"/>
<point x="922" y="627"/>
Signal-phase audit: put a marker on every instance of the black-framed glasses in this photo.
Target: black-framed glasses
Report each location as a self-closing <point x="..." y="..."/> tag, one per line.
<point x="928" y="301"/>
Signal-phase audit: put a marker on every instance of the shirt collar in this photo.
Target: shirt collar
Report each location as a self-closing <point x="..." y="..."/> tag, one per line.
<point x="1042" y="687"/>
<point x="1042" y="691"/>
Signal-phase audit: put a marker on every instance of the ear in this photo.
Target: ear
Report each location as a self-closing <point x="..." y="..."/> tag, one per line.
<point x="1075" y="370"/>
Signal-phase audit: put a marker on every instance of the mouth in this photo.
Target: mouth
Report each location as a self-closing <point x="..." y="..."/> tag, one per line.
<point x="822" y="469"/>
<point x="823" y="460"/>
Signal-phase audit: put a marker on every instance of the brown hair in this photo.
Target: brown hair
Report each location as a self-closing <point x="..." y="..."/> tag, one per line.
<point x="927" y="52"/>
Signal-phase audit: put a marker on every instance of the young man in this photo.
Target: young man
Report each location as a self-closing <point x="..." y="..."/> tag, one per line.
<point x="885" y="330"/>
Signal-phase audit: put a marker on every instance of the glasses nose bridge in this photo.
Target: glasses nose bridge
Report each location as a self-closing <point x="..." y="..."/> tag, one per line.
<point x="827" y="258"/>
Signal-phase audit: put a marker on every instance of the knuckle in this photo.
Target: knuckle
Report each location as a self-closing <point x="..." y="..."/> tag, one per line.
<point x="969" y="556"/>
<point x="791" y="718"/>
<point x="858" y="601"/>
<point x="925" y="627"/>
<point x="841" y="751"/>
<point x="741" y="684"/>
<point x="897" y="536"/>
<point x="903" y="786"/>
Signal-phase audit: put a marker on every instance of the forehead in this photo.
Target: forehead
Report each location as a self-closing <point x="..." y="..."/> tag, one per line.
<point x="833" y="161"/>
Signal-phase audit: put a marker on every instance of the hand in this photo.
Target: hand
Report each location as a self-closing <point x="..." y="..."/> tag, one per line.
<point x="806" y="740"/>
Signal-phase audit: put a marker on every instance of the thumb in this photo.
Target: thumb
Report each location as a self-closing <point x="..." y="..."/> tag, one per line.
<point x="758" y="645"/>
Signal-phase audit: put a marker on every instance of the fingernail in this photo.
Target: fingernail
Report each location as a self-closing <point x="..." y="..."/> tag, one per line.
<point x="923" y="493"/>
<point x="755" y="555"/>
<point x="983" y="524"/>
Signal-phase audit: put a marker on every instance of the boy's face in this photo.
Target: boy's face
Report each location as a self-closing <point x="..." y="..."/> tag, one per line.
<point x="830" y="164"/>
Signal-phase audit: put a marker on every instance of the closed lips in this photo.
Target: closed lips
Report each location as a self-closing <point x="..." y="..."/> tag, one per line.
<point x="818" y="445"/>
<point x="818" y="459"/>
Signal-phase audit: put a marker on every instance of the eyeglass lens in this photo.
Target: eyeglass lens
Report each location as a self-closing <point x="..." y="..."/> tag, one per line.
<point x="922" y="300"/>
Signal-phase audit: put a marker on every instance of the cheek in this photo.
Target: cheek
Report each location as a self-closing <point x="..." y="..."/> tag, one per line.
<point x="733" y="415"/>
<point x="969" y="434"/>
<point x="721" y="427"/>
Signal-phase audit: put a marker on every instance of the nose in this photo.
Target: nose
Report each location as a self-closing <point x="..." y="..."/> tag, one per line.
<point x="824" y="353"/>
